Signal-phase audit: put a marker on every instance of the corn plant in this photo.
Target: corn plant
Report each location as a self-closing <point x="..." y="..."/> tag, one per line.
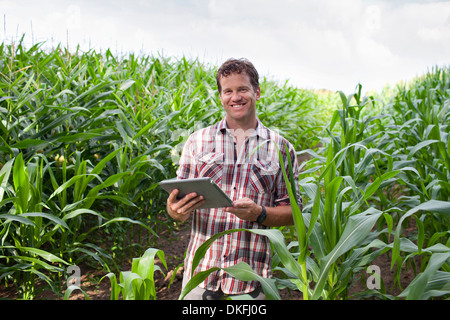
<point x="279" y="105"/>
<point x="139" y="283"/>
<point x="24" y="226"/>
<point x="34" y="221"/>
<point x="420" y="120"/>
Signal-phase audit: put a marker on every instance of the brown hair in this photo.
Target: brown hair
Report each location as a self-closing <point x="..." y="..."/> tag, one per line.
<point x="237" y="66"/>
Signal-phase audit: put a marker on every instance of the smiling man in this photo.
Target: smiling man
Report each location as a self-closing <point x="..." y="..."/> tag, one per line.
<point x="240" y="154"/>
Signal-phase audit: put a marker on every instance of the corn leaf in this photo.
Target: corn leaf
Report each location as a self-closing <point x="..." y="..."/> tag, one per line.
<point x="355" y="231"/>
<point x="418" y="287"/>
<point x="441" y="207"/>
<point x="71" y="289"/>
<point x="41" y="253"/>
<point x="242" y="271"/>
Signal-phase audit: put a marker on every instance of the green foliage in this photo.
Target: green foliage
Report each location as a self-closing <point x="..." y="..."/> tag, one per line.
<point x="85" y="138"/>
<point x="139" y="283"/>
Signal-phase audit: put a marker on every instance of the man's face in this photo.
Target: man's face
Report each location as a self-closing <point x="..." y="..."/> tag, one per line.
<point x="239" y="98"/>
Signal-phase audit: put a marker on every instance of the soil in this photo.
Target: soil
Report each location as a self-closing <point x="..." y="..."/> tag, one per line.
<point x="174" y="246"/>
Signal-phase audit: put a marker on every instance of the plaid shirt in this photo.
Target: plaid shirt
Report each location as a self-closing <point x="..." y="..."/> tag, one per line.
<point x="251" y="172"/>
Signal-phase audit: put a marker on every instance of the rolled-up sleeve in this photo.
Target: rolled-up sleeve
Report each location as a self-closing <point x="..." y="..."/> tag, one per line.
<point x="187" y="168"/>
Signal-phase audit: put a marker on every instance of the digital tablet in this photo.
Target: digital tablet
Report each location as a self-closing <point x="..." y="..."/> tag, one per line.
<point x="214" y="196"/>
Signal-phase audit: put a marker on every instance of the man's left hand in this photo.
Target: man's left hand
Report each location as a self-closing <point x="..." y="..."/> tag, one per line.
<point x="245" y="209"/>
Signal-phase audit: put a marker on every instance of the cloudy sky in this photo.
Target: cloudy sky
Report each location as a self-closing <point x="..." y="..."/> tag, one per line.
<point x="311" y="43"/>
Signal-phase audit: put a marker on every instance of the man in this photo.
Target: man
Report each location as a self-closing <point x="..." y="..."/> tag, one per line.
<point x="241" y="155"/>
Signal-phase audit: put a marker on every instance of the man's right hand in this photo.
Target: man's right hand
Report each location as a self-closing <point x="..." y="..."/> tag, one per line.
<point x="181" y="209"/>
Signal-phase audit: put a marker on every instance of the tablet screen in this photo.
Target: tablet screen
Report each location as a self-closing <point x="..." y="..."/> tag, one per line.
<point x="214" y="196"/>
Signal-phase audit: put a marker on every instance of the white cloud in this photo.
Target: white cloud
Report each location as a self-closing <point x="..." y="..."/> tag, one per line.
<point x="315" y="44"/>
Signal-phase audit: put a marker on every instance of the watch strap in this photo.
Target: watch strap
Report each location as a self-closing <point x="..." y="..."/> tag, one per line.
<point x="262" y="217"/>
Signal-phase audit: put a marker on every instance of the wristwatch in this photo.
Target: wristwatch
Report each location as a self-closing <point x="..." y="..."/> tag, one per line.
<point x="262" y="217"/>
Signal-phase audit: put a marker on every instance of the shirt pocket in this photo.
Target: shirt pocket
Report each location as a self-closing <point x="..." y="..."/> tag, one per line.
<point x="263" y="176"/>
<point x="210" y="165"/>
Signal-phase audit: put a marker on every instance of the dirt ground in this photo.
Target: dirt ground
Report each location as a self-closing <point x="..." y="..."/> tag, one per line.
<point x="174" y="247"/>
